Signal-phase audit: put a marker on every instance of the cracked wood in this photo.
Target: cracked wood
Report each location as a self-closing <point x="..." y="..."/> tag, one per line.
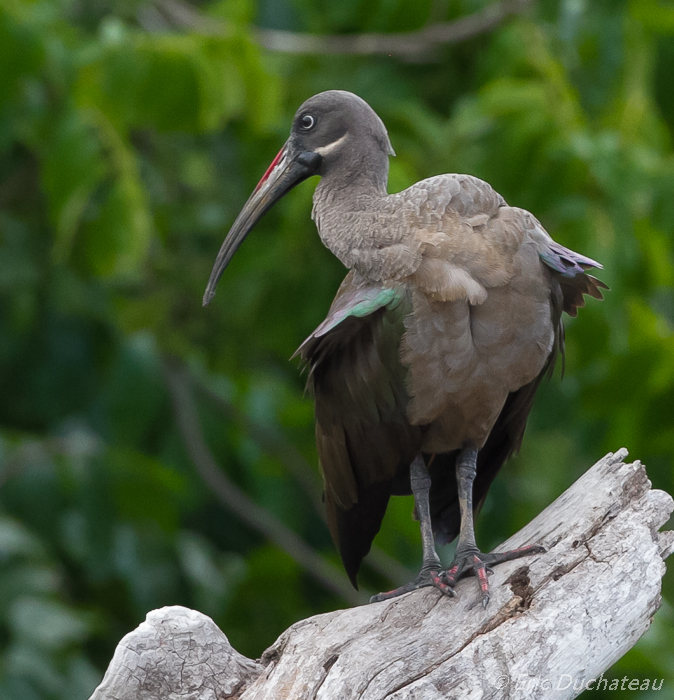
<point x="570" y="612"/>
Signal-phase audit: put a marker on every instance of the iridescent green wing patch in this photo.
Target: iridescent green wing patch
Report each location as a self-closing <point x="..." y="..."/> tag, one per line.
<point x="359" y="303"/>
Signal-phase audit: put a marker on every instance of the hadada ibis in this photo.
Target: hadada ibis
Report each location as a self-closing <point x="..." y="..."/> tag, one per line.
<point x="426" y="367"/>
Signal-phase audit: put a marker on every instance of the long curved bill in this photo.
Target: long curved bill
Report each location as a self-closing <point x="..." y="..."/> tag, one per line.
<point x="283" y="174"/>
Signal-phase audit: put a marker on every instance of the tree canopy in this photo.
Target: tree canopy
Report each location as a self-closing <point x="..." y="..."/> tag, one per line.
<point x="153" y="452"/>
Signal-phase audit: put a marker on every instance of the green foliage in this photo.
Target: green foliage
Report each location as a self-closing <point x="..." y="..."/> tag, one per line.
<point x="128" y="143"/>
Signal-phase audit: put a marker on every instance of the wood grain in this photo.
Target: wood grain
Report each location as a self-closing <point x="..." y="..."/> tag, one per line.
<point x="554" y="623"/>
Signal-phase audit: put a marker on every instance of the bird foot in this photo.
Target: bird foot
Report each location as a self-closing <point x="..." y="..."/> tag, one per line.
<point x="481" y="565"/>
<point x="426" y="577"/>
<point x="464" y="562"/>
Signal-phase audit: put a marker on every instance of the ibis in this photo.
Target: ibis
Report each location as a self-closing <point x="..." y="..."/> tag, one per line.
<point x="425" y="369"/>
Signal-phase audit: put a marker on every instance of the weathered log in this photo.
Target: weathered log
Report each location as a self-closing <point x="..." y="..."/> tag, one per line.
<point x="555" y="621"/>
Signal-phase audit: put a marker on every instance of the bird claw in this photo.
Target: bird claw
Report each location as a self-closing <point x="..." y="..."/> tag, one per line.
<point x="438" y="583"/>
<point x="425" y="579"/>
<point x="465" y="562"/>
<point x="481" y="566"/>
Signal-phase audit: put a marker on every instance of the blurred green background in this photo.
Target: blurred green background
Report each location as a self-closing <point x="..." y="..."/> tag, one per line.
<point x="149" y="447"/>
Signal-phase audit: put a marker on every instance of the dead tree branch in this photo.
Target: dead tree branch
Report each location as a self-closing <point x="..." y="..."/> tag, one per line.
<point x="164" y="14"/>
<point x="555" y="622"/>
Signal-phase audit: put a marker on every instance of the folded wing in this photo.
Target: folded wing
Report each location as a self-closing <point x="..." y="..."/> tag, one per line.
<point x="364" y="440"/>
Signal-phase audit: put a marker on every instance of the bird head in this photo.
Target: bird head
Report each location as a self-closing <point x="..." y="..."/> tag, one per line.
<point x="334" y="134"/>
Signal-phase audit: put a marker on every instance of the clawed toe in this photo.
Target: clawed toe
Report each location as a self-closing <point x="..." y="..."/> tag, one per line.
<point x="470" y="560"/>
<point x="481" y="566"/>
<point x="425" y="579"/>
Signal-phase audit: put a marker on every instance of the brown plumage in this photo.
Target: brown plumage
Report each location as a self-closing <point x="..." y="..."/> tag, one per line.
<point x="436" y="342"/>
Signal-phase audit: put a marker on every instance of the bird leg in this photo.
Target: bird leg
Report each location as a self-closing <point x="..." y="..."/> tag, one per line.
<point x="430" y="574"/>
<point x="468" y="557"/>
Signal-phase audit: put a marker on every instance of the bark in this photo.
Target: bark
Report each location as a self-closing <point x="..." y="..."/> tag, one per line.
<point x="555" y="621"/>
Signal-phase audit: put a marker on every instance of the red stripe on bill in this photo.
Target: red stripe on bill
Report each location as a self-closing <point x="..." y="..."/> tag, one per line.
<point x="267" y="173"/>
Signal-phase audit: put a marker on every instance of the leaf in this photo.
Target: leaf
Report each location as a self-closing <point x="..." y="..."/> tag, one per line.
<point x="173" y="82"/>
<point x="47" y="623"/>
<point x="657" y="15"/>
<point x="17" y="541"/>
<point x="73" y="166"/>
<point x="21" y="55"/>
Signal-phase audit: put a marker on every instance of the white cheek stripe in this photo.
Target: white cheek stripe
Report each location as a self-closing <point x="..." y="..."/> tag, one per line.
<point x="324" y="150"/>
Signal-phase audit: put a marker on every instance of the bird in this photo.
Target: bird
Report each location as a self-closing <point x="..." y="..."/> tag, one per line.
<point x="425" y="369"/>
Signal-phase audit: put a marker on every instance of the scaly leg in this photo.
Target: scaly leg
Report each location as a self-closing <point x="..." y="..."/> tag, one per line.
<point x="468" y="557"/>
<point x="430" y="574"/>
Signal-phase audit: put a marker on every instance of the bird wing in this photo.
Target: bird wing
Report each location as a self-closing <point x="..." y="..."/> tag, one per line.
<point x="569" y="282"/>
<point x="466" y="244"/>
<point x="467" y="238"/>
<point x="569" y="269"/>
<point x="365" y="443"/>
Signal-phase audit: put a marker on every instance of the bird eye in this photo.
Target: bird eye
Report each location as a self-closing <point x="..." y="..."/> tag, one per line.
<point x="307" y="122"/>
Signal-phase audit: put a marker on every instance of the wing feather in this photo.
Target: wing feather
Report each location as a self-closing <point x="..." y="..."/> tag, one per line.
<point x="364" y="440"/>
<point x="569" y="282"/>
<point x="569" y="269"/>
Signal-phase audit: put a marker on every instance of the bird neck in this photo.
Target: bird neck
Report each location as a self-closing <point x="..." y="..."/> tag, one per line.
<point x="347" y="201"/>
<point x="348" y="179"/>
<point x="345" y="212"/>
<point x="347" y="194"/>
